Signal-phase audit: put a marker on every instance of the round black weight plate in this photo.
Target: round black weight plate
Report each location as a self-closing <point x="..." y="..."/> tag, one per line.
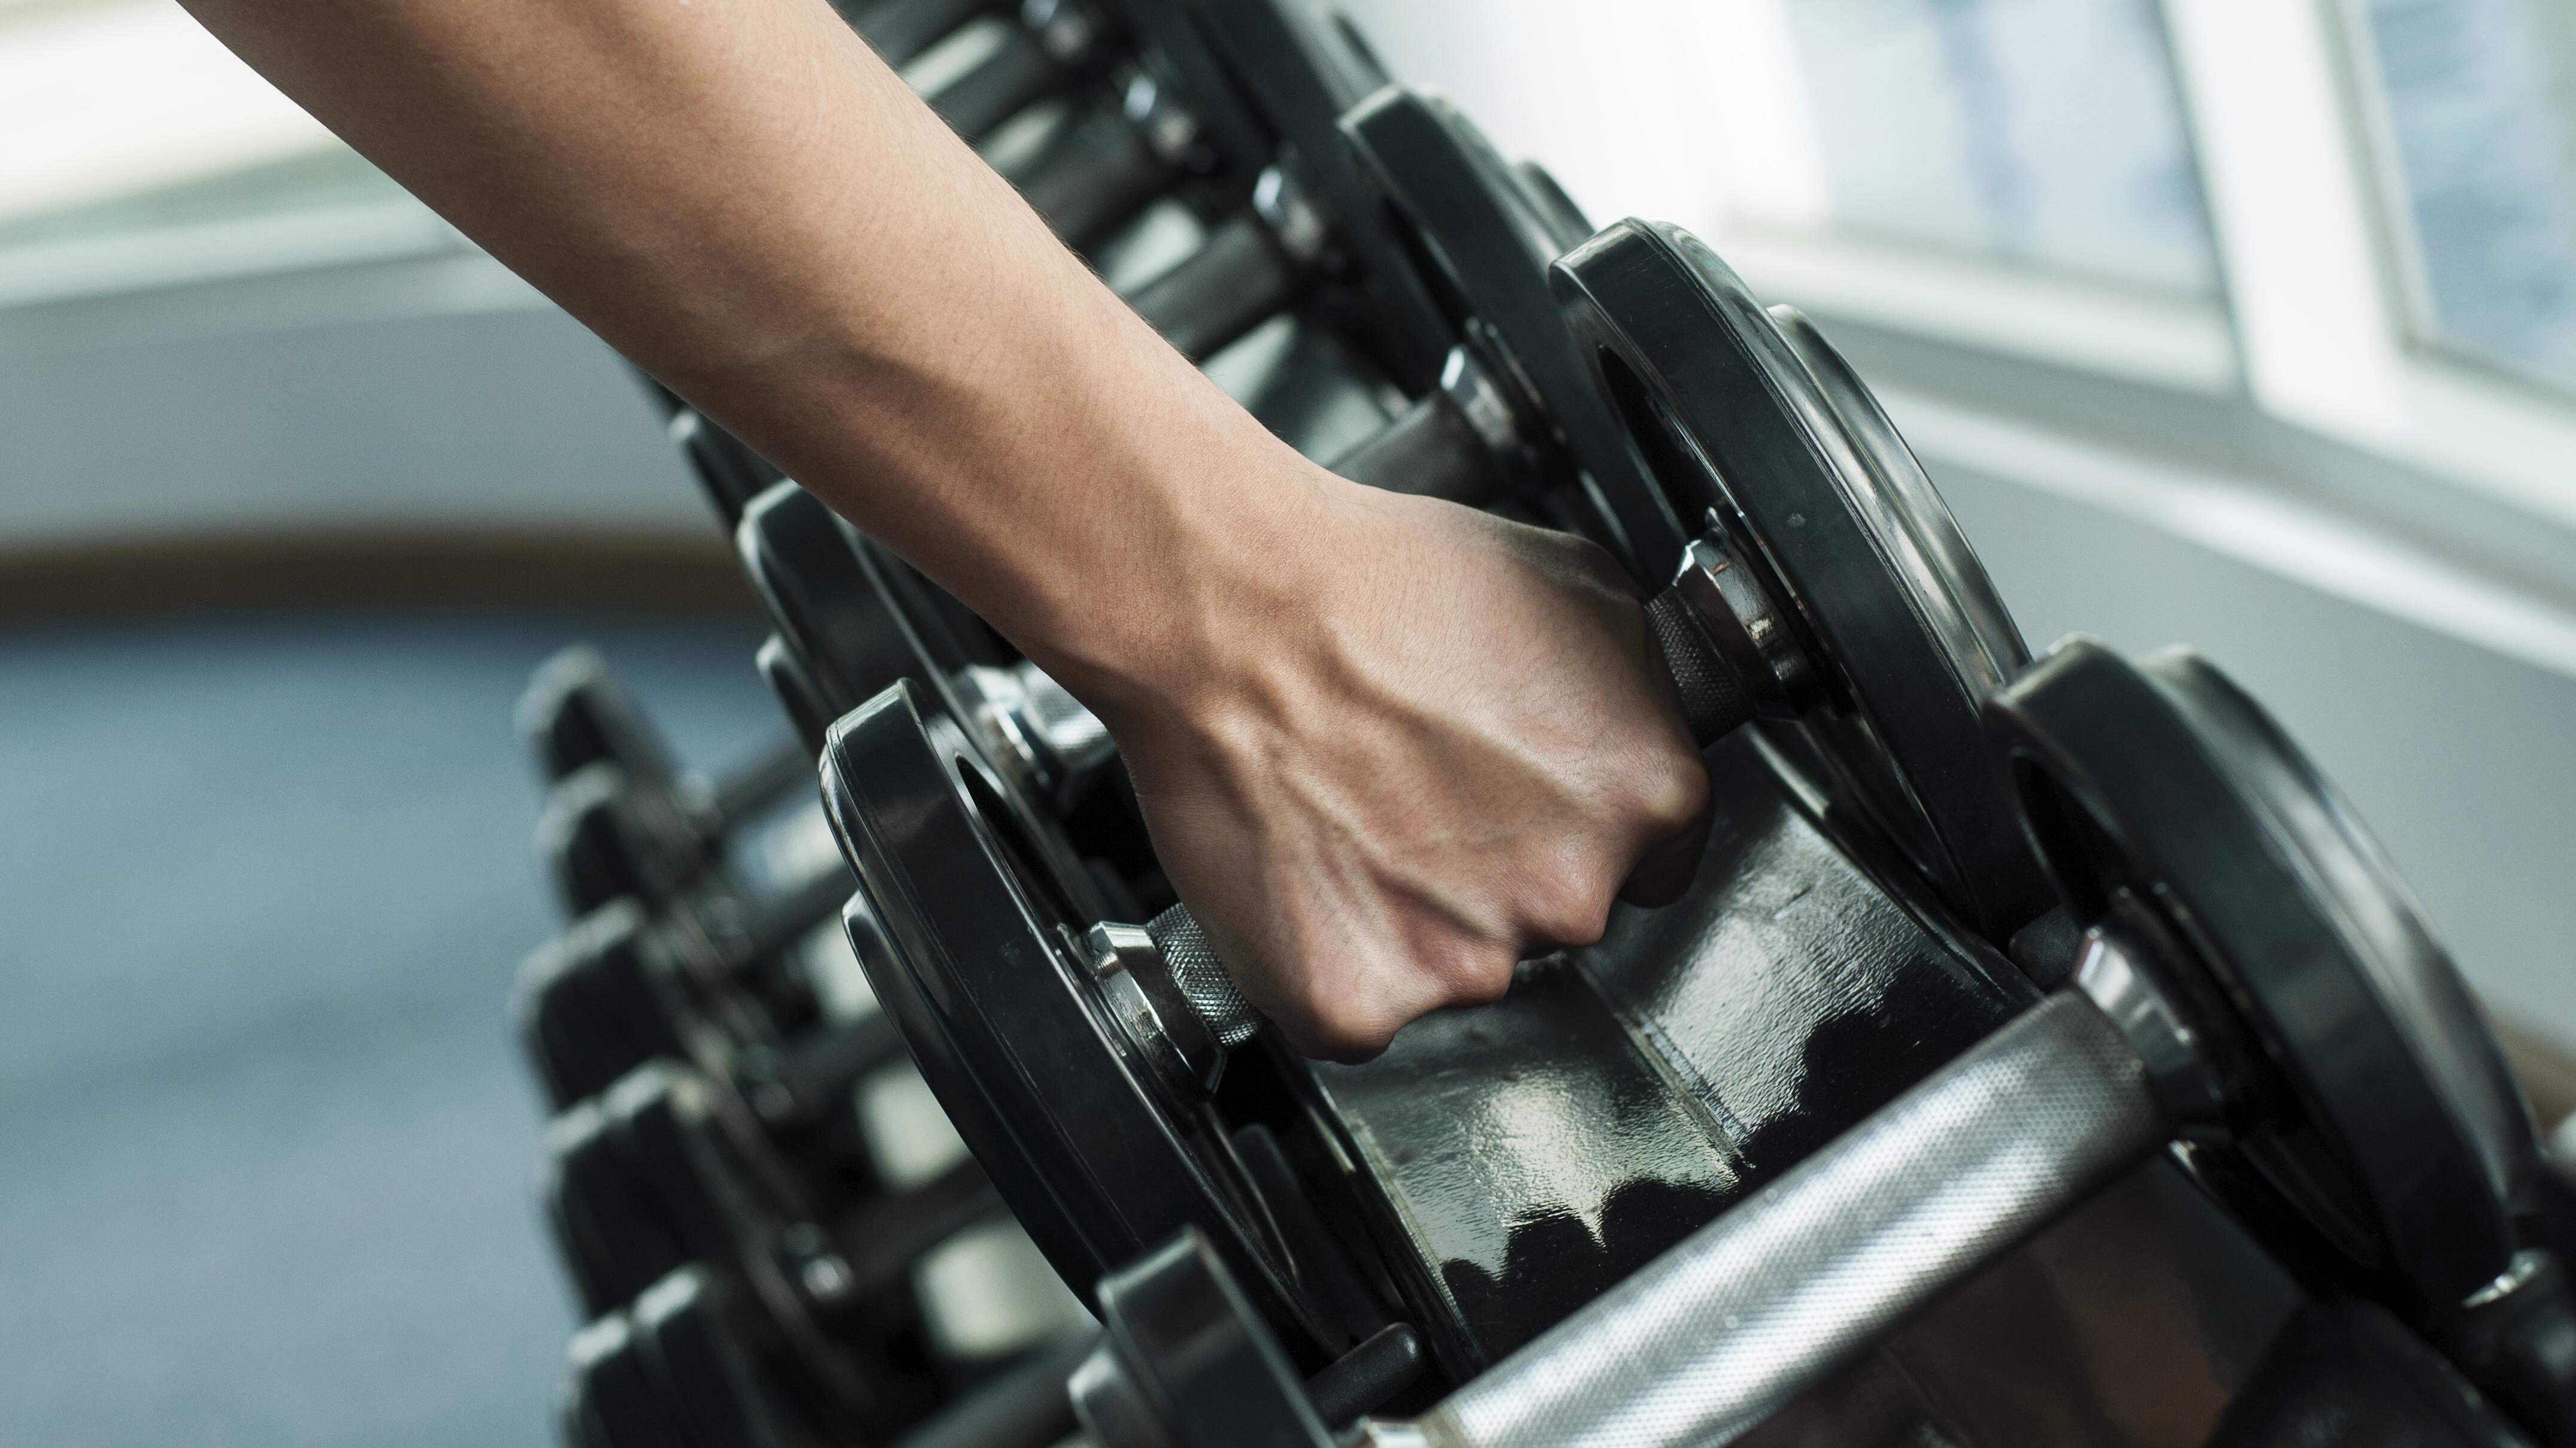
<point x="977" y="962"/>
<point x="1750" y="419"/>
<point x="1304" y="71"/>
<point x="1184" y="1362"/>
<point x="2389" y="1119"/>
<point x="1484" y="235"/>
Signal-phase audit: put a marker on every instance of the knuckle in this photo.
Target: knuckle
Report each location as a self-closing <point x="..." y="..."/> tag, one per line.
<point x="1567" y="907"/>
<point x="1674" y="794"/>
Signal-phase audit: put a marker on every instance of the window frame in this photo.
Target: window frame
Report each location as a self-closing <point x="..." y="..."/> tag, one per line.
<point x="2326" y="316"/>
<point x="1771" y="216"/>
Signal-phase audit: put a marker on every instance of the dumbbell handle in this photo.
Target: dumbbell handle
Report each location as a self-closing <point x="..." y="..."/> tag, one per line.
<point x="1714" y="701"/>
<point x="1015" y="75"/>
<point x="1791" y="1283"/>
<point x="1238" y="278"/>
<point x="902" y="29"/>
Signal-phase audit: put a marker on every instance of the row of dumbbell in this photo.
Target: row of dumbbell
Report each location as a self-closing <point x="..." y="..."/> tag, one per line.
<point x="613" y="839"/>
<point x="2433" y="1030"/>
<point x="1493" y="429"/>
<point x="1427" y="212"/>
<point x="774" y="1228"/>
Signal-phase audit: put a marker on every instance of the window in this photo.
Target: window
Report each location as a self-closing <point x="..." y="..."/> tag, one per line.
<point x="2475" y="105"/>
<point x="142" y="153"/>
<point x="2040" y="132"/>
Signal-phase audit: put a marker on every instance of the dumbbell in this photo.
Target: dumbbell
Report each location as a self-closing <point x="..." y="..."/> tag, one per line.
<point x="1821" y="583"/>
<point x="1172" y="123"/>
<point x="693" y="1365"/>
<point x="727" y="470"/>
<point x="703" y="1360"/>
<point x="859" y="619"/>
<point x="702" y="976"/>
<point x="574" y="714"/>
<point x="1181" y="125"/>
<point x="1470" y="433"/>
<point x="667" y="1167"/>
<point x="1046" y="46"/>
<point x="1145" y="1016"/>
<point x="1308" y="216"/>
<point x="1832" y="549"/>
<point x="2259" y="994"/>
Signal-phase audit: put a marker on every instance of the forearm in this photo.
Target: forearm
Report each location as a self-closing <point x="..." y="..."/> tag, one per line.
<point x="745" y="201"/>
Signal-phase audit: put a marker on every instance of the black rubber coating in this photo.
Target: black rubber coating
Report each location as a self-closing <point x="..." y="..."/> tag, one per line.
<point x="2349" y="1375"/>
<point x="793" y="685"/>
<point x="884" y="1239"/>
<point x="1026" y="1407"/>
<point x="1234" y="282"/>
<point x="1015" y="76"/>
<point x="574" y="713"/>
<point x="1431" y="451"/>
<point x="1713" y="700"/>
<point x="1383" y="1365"/>
<point x="729" y="472"/>
<point x="813" y="1077"/>
<point x="779" y="923"/>
<point x="763" y="782"/>
<point x="1095" y="178"/>
<point x="902" y="29"/>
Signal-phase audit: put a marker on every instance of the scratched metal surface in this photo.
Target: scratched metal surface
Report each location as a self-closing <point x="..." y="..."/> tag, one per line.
<point x="1530" y="1153"/>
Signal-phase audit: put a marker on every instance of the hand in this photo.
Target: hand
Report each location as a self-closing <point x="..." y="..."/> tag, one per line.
<point x="1420" y="745"/>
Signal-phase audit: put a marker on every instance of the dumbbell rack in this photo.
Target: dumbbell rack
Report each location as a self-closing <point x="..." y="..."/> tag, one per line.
<point x="1497" y="1224"/>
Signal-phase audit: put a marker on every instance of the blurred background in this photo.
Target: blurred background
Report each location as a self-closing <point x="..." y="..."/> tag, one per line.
<point x="2249" y="323"/>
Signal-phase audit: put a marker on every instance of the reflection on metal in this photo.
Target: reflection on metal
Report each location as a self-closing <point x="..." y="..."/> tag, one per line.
<point x="1533" y="1152"/>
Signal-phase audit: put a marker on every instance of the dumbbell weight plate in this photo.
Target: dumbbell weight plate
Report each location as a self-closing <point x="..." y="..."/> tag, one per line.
<point x="979" y="964"/>
<point x="2394" y="1127"/>
<point x="1486" y="238"/>
<point x="1304" y="72"/>
<point x="1749" y="418"/>
<point x="861" y="618"/>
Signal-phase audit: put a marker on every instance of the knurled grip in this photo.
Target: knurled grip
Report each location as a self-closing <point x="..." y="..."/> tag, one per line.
<point x="1201" y="979"/>
<point x="1708" y="1339"/>
<point x="1713" y="700"/>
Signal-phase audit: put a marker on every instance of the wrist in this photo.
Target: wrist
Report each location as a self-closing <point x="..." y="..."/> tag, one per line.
<point x="1206" y="595"/>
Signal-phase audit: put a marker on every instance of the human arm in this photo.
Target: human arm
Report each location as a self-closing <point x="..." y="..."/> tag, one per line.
<point x="1386" y="746"/>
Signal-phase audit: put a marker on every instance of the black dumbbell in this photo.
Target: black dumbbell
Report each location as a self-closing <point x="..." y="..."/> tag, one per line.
<point x="858" y="618"/>
<point x="2258" y="994"/>
<point x="704" y="976"/>
<point x="1821" y="580"/>
<point x="1160" y="996"/>
<point x="1286" y="205"/>
<point x="1172" y="123"/>
<point x="1296" y="214"/>
<point x="727" y="470"/>
<point x="670" y="1166"/>
<point x="704" y="1359"/>
<point x="852" y="619"/>
<point x="901" y="31"/>
<point x="574" y="714"/>
<point x="1448" y="247"/>
<point x="1043" y="47"/>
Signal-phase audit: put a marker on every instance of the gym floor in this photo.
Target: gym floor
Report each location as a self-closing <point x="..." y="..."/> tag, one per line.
<point x="271" y="1152"/>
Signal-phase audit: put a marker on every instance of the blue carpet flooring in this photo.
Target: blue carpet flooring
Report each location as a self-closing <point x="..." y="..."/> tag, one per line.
<point x="266" y="1148"/>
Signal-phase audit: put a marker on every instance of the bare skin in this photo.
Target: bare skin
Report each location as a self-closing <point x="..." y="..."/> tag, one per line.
<point x="1387" y="746"/>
